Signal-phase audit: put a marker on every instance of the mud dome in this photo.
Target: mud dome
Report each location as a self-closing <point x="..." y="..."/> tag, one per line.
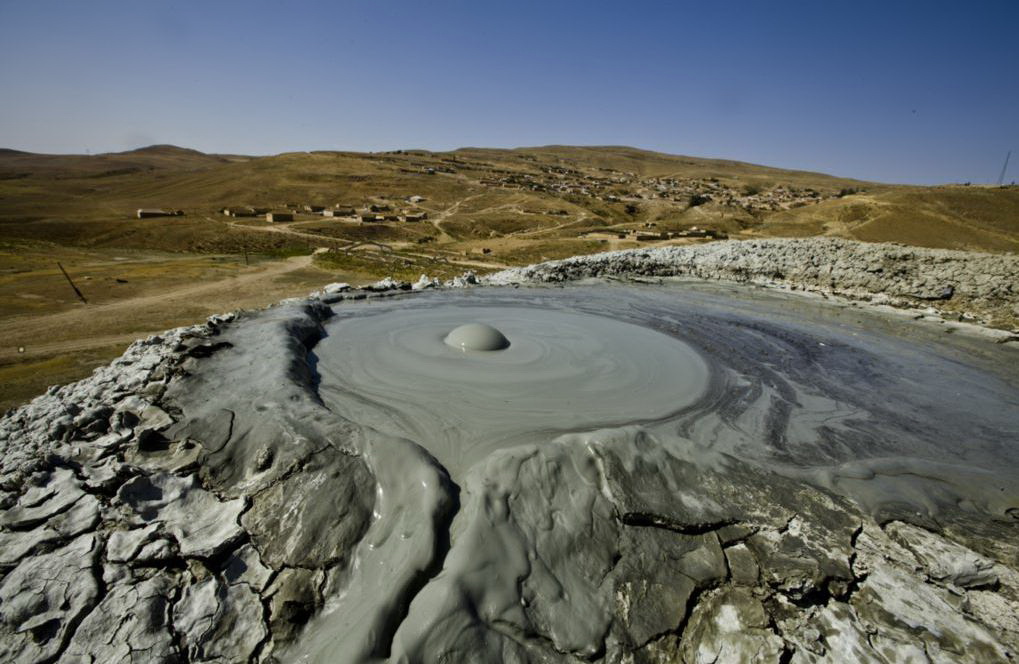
<point x="390" y="368"/>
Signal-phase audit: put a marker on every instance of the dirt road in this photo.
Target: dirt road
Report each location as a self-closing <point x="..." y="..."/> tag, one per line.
<point x="288" y="229"/>
<point x="442" y="215"/>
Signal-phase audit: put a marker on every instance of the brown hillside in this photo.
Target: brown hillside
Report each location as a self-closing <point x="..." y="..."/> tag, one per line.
<point x="481" y="194"/>
<point x="959" y="217"/>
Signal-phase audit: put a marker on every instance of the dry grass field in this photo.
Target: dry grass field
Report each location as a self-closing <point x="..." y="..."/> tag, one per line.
<point x="485" y="208"/>
<point x="957" y="217"/>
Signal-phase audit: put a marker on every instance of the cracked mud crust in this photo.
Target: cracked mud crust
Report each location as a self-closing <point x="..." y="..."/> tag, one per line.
<point x="197" y="500"/>
<point x="968" y="286"/>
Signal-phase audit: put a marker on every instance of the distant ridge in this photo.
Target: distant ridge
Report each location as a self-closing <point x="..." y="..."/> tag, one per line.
<point x="654" y="162"/>
<point x="164" y="149"/>
<point x="551" y="198"/>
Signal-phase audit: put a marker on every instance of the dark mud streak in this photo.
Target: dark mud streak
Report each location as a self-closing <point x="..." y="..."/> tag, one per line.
<point x="645" y="520"/>
<point x="442" y="546"/>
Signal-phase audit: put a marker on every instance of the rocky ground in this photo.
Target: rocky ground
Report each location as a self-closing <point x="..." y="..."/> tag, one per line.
<point x="977" y="287"/>
<point x="170" y="508"/>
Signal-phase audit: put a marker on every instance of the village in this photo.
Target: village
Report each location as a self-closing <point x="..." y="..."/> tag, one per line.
<point x="542" y="209"/>
<point x="628" y="204"/>
<point x="371" y="213"/>
<point x="618" y="186"/>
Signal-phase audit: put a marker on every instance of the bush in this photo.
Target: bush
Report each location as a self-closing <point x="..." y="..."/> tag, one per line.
<point x="698" y="199"/>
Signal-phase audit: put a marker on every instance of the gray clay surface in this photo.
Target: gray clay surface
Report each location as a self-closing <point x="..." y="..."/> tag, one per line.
<point x="682" y="472"/>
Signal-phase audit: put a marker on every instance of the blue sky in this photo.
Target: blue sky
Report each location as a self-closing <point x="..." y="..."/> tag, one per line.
<point x="921" y="92"/>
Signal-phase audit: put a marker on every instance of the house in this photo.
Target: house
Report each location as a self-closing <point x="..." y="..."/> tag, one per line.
<point x="375" y="207"/>
<point x="144" y="213"/>
<point x="338" y="212"/>
<point x="415" y="199"/>
<point x="240" y="212"/>
<point x="368" y="218"/>
<point x="274" y="217"/>
<point x="702" y="232"/>
<point x="415" y="216"/>
<point x="313" y="208"/>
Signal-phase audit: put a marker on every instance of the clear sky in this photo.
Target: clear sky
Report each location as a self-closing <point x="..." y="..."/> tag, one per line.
<point x="922" y="92"/>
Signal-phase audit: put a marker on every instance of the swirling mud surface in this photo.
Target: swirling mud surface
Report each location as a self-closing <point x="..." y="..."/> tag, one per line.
<point x="563" y="371"/>
<point x="674" y="473"/>
<point x="875" y="413"/>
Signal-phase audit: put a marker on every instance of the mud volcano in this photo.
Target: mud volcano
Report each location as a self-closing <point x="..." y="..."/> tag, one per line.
<point x="610" y="473"/>
<point x="606" y="460"/>
<point x="531" y="373"/>
<point x="733" y="375"/>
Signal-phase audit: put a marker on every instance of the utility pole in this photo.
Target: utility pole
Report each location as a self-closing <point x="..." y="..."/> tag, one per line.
<point x="1001" y="178"/>
<point x="76" y="291"/>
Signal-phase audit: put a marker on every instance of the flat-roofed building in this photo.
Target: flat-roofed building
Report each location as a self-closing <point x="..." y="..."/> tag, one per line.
<point x="144" y="213"/>
<point x="240" y="212"/>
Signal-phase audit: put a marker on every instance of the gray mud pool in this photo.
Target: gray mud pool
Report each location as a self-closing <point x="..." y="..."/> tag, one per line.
<point x="877" y="407"/>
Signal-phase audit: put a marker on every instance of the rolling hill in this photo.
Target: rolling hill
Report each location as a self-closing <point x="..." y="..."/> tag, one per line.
<point x="553" y="191"/>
